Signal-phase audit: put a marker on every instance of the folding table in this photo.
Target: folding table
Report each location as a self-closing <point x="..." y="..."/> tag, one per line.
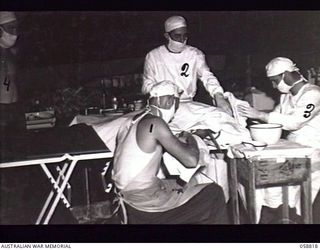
<point x="78" y="143"/>
<point x="58" y="186"/>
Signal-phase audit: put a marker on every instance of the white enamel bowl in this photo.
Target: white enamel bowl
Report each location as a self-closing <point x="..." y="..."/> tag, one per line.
<point x="269" y="133"/>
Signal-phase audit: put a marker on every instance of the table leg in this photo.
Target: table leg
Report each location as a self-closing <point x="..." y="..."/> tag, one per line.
<point x="233" y="189"/>
<point x="44" y="208"/>
<point x="285" y="204"/>
<point x="55" y="186"/>
<point x="306" y="199"/>
<point x="252" y="195"/>
<point x="60" y="191"/>
<point x="87" y="192"/>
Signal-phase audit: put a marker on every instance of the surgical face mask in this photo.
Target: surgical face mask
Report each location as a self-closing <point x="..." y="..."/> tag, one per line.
<point x="7" y="40"/>
<point x="285" y="88"/>
<point x="167" y="114"/>
<point x="175" y="46"/>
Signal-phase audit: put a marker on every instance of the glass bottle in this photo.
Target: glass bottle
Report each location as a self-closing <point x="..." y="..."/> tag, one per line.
<point x="115" y="103"/>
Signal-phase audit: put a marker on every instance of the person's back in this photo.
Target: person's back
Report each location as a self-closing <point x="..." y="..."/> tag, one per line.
<point x="8" y="37"/>
<point x="11" y="113"/>
<point x="137" y="160"/>
<point x="131" y="163"/>
<point x="8" y="88"/>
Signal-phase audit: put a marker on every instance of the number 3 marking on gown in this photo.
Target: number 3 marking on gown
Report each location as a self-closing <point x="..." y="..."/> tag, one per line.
<point x="307" y="113"/>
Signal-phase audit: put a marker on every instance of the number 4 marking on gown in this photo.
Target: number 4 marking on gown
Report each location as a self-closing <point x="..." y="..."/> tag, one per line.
<point x="6" y="82"/>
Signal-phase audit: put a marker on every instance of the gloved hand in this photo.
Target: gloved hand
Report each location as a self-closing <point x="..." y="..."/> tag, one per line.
<point x="248" y="111"/>
<point x="208" y="133"/>
<point x="222" y="103"/>
<point x="183" y="136"/>
<point x="203" y="133"/>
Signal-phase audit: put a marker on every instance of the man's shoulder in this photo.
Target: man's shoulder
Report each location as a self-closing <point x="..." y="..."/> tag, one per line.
<point x="162" y="50"/>
<point x="150" y="118"/>
<point x="156" y="50"/>
<point x="311" y="89"/>
<point x="151" y="123"/>
<point x="192" y="49"/>
<point x="310" y="93"/>
<point x="314" y="87"/>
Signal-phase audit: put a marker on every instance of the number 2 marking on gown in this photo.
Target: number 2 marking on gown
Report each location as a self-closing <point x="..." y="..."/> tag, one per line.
<point x="310" y="108"/>
<point x="184" y="70"/>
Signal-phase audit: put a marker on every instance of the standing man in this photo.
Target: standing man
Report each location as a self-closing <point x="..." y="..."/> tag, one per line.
<point x="11" y="115"/>
<point x="137" y="159"/>
<point x="298" y="112"/>
<point x="183" y="65"/>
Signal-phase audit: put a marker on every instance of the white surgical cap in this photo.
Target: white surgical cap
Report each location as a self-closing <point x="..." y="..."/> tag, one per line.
<point x="174" y="22"/>
<point x="279" y="65"/>
<point x="164" y="88"/>
<point x="7" y="17"/>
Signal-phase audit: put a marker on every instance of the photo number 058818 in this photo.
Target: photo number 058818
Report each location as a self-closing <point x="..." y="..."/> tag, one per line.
<point x="309" y="245"/>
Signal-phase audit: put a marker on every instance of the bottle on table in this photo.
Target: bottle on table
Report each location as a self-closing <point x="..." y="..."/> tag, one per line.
<point x="115" y="103"/>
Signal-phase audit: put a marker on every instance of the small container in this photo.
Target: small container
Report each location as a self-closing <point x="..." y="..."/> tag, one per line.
<point x="124" y="104"/>
<point x="257" y="145"/>
<point x="115" y="103"/>
<point x="131" y="106"/>
<point x="92" y="111"/>
<point x="138" y="104"/>
<point x="104" y="103"/>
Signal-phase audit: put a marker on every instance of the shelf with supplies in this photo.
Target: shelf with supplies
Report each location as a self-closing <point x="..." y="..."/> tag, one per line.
<point x="41" y="119"/>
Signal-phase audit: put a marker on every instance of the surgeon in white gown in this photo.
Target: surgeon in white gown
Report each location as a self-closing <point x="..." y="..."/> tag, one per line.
<point x="298" y="112"/>
<point x="184" y="65"/>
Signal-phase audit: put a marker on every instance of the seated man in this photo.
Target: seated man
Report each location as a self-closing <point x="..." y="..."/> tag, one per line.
<point x="298" y="111"/>
<point x="137" y="159"/>
<point x="299" y="108"/>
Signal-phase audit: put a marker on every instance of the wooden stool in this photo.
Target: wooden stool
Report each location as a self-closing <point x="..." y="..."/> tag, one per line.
<point x="268" y="172"/>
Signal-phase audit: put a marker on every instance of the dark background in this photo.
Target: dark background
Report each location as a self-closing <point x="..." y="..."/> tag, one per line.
<point x="69" y="48"/>
<point x="62" y="37"/>
<point x="51" y="38"/>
